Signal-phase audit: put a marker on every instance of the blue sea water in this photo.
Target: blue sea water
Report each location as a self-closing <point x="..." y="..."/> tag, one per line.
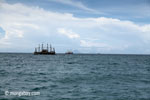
<point x="75" y="77"/>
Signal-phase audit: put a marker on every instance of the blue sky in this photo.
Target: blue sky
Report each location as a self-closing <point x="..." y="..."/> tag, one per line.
<point x="86" y="26"/>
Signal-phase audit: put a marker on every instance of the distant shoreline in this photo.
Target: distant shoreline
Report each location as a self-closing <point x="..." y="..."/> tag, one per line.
<point x="74" y="53"/>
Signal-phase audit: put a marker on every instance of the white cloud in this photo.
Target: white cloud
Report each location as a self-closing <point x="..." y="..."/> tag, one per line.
<point x="68" y="33"/>
<point x="76" y="4"/>
<point x="33" y="25"/>
<point x="93" y="44"/>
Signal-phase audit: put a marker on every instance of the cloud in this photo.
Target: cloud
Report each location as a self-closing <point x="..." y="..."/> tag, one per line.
<point x="77" y="4"/>
<point x="28" y="26"/>
<point x="68" y="33"/>
<point x="92" y="44"/>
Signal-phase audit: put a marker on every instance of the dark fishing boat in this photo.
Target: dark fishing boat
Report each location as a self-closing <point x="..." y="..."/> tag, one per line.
<point x="49" y="50"/>
<point x="69" y="52"/>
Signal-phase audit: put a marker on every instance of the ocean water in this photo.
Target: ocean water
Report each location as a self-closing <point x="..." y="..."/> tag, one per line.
<point x="75" y="77"/>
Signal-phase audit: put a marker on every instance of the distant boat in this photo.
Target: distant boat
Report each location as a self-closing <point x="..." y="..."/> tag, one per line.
<point x="69" y="52"/>
<point x="49" y="50"/>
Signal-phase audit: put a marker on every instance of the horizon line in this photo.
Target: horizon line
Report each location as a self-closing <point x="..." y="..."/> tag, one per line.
<point x="80" y="53"/>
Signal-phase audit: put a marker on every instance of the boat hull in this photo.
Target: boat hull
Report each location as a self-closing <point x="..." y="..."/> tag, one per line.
<point x="41" y="53"/>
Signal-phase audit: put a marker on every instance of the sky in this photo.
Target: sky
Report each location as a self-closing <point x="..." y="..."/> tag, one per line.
<point x="83" y="26"/>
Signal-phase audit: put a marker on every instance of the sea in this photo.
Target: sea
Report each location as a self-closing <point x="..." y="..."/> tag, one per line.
<point x="24" y="76"/>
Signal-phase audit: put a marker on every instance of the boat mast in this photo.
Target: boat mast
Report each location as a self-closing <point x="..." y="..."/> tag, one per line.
<point x="50" y="48"/>
<point x="47" y="46"/>
<point x="39" y="47"/>
<point x="42" y="46"/>
<point x="35" y="49"/>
